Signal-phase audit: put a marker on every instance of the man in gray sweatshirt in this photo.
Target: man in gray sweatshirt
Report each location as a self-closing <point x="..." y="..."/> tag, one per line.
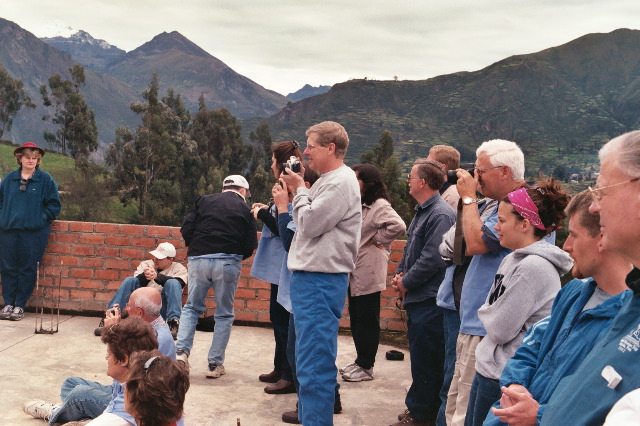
<point x="323" y="252"/>
<point x="417" y="279"/>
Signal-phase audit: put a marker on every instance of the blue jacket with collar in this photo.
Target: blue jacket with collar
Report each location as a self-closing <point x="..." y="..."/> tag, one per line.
<point x="32" y="209"/>
<point x="556" y="345"/>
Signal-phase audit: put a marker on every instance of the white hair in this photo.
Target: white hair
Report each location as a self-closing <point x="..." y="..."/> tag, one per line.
<point x="627" y="148"/>
<point x="504" y="153"/>
<point x="147" y="304"/>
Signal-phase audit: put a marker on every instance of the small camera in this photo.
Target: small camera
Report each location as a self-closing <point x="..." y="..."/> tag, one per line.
<point x="452" y="175"/>
<point x="293" y="164"/>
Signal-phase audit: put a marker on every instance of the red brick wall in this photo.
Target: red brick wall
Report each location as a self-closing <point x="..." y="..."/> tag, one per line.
<point x="90" y="260"/>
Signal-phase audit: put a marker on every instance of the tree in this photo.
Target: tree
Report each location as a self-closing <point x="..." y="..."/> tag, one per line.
<point x="382" y="156"/>
<point x="12" y="99"/>
<point x="261" y="177"/>
<point x="77" y="129"/>
<point x="147" y="164"/>
<point x="382" y="151"/>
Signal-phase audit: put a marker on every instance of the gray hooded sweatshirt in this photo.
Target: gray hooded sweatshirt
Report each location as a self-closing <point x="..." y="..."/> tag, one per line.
<point x="522" y="293"/>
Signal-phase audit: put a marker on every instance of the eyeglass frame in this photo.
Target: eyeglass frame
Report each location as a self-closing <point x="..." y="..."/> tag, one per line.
<point x="596" y="196"/>
<point x="409" y="177"/>
<point x="480" y="171"/>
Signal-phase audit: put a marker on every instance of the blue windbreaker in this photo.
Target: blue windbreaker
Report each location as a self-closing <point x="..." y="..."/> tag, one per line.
<point x="555" y="346"/>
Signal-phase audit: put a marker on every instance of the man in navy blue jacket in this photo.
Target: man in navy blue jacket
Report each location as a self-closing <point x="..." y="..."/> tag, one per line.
<point x="220" y="232"/>
<point x="417" y="279"/>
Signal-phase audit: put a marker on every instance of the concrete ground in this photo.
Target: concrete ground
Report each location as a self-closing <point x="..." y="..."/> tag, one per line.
<point x="35" y="365"/>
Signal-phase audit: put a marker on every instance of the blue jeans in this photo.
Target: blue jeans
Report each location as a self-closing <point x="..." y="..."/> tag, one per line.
<point x="426" y="348"/>
<point x="484" y="393"/>
<point x="318" y="300"/>
<point x="451" y="322"/>
<point x="20" y="252"/>
<point x="171" y="296"/>
<point x="81" y="399"/>
<point x="222" y="275"/>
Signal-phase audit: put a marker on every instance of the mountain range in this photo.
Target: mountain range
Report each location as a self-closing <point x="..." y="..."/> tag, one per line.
<point x="115" y="78"/>
<point x="559" y="104"/>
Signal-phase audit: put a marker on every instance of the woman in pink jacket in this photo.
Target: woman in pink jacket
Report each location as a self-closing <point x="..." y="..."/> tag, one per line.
<point x="380" y="226"/>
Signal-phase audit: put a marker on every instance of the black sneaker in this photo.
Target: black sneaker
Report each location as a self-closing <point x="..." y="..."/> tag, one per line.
<point x="98" y="331"/>
<point x="174" y="325"/>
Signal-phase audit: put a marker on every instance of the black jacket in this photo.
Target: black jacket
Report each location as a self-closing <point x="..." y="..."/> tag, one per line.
<point x="220" y="223"/>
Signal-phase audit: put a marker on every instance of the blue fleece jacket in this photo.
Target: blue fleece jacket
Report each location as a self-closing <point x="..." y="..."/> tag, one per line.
<point x="32" y="209"/>
<point x="555" y="346"/>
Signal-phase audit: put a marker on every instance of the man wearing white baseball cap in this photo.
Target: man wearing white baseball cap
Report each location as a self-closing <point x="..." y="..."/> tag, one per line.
<point x="220" y="232"/>
<point x="161" y="273"/>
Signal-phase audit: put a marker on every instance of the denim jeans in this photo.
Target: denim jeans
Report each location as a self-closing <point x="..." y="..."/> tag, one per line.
<point x="171" y="296"/>
<point x="279" y="317"/>
<point x="451" y="322"/>
<point x="364" y="312"/>
<point x="20" y="252"/>
<point x="318" y="299"/>
<point x="426" y="348"/>
<point x="222" y="275"/>
<point x="484" y="393"/>
<point x="81" y="399"/>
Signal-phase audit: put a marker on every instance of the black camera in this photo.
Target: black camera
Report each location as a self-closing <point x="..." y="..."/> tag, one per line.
<point x="452" y="175"/>
<point x="293" y="164"/>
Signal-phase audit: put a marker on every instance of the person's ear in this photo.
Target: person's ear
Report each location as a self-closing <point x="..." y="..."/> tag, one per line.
<point x="125" y="363"/>
<point x="307" y="185"/>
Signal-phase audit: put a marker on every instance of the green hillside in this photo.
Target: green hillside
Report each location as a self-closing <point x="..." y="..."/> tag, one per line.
<point x="560" y="105"/>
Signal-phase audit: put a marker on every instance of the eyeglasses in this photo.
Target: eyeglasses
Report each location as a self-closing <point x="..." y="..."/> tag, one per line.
<point x="597" y="194"/>
<point x="409" y="177"/>
<point x="481" y="171"/>
<point x="23" y="184"/>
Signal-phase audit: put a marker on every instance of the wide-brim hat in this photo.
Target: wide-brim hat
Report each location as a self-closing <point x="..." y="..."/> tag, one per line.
<point x="29" y="145"/>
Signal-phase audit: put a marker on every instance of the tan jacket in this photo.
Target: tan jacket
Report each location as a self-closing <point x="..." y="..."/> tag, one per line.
<point x="451" y="197"/>
<point x="380" y="226"/>
<point x="175" y="270"/>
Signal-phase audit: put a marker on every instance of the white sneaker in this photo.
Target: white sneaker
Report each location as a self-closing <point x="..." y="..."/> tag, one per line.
<point x="348" y="368"/>
<point x="184" y="359"/>
<point x="215" y="371"/>
<point x="6" y="312"/>
<point x="40" y="409"/>
<point x="358" y="375"/>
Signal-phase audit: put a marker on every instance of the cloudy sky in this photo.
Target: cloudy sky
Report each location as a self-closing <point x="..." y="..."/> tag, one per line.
<point x="284" y="44"/>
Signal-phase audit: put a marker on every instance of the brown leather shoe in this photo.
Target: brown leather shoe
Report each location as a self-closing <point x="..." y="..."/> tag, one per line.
<point x="281" y="387"/>
<point x="291" y="417"/>
<point x="272" y="377"/>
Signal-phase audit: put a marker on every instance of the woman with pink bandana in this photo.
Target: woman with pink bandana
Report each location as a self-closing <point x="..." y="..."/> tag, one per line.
<point x="524" y="287"/>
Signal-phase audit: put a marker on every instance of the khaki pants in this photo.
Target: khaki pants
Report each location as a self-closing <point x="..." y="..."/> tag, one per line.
<point x="465" y="370"/>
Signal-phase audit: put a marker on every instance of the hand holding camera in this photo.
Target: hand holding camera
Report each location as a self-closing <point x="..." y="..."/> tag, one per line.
<point x="112" y="316"/>
<point x="294" y="179"/>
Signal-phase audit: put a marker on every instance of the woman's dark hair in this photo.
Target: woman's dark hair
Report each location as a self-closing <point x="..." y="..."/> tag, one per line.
<point x="283" y="151"/>
<point x="372" y="185"/>
<point x="551" y="201"/>
<point x="156" y="390"/>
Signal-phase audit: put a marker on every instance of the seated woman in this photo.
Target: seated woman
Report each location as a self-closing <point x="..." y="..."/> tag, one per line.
<point x="156" y="389"/>
<point x="524" y="288"/>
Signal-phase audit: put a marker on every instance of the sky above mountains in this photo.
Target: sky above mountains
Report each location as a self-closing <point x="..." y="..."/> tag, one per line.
<point x="284" y="44"/>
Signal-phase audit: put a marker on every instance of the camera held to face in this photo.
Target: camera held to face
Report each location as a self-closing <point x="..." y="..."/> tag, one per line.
<point x="452" y="175"/>
<point x="293" y="164"/>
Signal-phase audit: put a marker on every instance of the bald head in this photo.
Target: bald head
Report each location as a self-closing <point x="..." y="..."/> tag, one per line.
<point x="145" y="303"/>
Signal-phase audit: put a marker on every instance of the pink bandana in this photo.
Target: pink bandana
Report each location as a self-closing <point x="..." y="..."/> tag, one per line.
<point x="525" y="207"/>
